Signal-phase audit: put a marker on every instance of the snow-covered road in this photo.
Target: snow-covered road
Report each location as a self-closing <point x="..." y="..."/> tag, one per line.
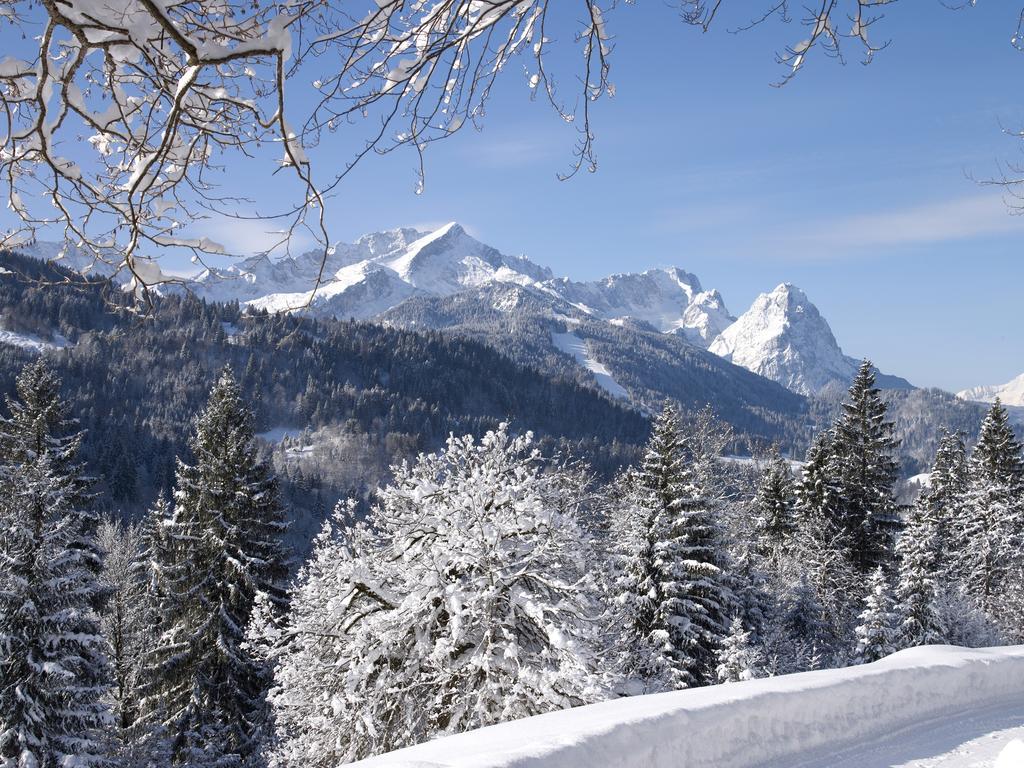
<point x="934" y="707"/>
<point x="962" y="741"/>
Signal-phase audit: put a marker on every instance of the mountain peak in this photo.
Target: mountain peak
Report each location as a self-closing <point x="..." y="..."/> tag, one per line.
<point x="784" y="338"/>
<point x="1011" y="394"/>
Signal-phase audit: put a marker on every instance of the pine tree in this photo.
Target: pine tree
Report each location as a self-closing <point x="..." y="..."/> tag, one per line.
<point x="876" y="631"/>
<point x="678" y="580"/>
<point x="918" y="554"/>
<point x="652" y="651"/>
<point x="773" y="512"/>
<point x="221" y="547"/>
<point x="737" y="659"/>
<point x="40" y="424"/>
<point x="639" y="630"/>
<point x="815" y="491"/>
<point x="993" y="530"/>
<point x="53" y="668"/>
<point x="945" y="496"/>
<point x="124" y="619"/>
<point x="865" y="471"/>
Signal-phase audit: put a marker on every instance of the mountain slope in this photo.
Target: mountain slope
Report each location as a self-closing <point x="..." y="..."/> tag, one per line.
<point x="372" y="395"/>
<point x="783" y="337"/>
<point x="628" y="358"/>
<point x="1009" y="394"/>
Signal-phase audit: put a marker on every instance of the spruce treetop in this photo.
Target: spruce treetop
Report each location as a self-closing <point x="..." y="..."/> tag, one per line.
<point x="998" y="456"/>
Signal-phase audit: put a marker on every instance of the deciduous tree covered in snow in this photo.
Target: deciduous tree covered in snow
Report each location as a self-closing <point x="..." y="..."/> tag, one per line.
<point x="462" y="601"/>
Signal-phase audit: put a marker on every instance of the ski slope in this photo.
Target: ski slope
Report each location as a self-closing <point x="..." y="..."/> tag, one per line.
<point x="573" y="345"/>
<point x="914" y="709"/>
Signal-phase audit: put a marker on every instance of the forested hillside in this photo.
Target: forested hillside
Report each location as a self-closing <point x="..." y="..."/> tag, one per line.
<point x="136" y="381"/>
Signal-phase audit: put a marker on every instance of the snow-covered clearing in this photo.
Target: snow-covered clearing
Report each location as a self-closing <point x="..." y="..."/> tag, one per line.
<point x="916" y="709"/>
<point x="277" y="434"/>
<point x="573" y="345"/>
<point x="32" y="342"/>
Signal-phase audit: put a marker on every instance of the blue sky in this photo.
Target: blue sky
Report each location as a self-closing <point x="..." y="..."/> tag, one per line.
<point x="851" y="182"/>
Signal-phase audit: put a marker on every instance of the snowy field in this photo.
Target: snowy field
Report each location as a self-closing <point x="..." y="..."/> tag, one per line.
<point x="936" y="707"/>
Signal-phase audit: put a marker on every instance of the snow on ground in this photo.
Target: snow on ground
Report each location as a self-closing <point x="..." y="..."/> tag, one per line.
<point x="1012" y="755"/>
<point x="32" y="342"/>
<point x="911" y="709"/>
<point x="795" y="465"/>
<point x="277" y="434"/>
<point x="974" y="740"/>
<point x="924" y="480"/>
<point x="573" y="345"/>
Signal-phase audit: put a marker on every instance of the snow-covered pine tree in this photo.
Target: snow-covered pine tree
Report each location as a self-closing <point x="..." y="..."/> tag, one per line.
<point x="638" y="631"/>
<point x="815" y="490"/>
<point x="774" y="516"/>
<point x="738" y="660"/>
<point x="946" y="495"/>
<point x="691" y="598"/>
<point x="40" y="423"/>
<point x="651" y="654"/>
<point x="124" y="617"/>
<point x="223" y="545"/>
<point x="463" y="601"/>
<point x="157" y="568"/>
<point x="917" y="554"/>
<point x="53" y="658"/>
<point x="863" y="465"/>
<point x="994" y="512"/>
<point x="876" y="633"/>
<point x="696" y="589"/>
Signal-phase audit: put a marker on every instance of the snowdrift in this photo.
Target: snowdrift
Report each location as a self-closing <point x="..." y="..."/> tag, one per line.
<point x="740" y="724"/>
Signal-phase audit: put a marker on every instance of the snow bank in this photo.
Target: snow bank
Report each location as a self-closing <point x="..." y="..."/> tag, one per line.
<point x="740" y="724"/>
<point x="1012" y="756"/>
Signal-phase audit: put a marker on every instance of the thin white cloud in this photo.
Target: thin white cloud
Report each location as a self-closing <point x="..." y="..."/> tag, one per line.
<point x="961" y="218"/>
<point x="247" y="237"/>
<point x="507" y="152"/>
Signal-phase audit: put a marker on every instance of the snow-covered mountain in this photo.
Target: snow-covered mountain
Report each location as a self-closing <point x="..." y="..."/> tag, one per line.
<point x="1008" y="394"/>
<point x="383" y="269"/>
<point x="783" y="337"/>
<point x="368" y="277"/>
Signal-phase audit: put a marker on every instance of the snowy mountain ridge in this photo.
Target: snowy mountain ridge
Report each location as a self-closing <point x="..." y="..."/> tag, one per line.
<point x="383" y="269"/>
<point x="782" y="336"/>
<point x="1009" y="394"/>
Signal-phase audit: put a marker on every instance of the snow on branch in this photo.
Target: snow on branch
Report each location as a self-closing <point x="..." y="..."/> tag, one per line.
<point x="120" y="116"/>
<point x="829" y="23"/>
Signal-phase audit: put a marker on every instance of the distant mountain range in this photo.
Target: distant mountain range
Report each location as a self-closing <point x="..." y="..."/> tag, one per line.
<point x="776" y="373"/>
<point x="782" y="337"/>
